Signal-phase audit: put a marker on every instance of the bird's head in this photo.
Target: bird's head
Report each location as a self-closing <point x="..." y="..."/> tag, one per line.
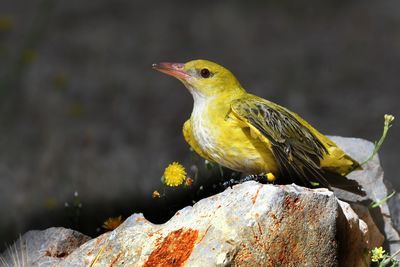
<point x="202" y="77"/>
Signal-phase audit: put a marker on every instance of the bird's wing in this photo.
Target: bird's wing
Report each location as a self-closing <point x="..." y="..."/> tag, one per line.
<point x="296" y="149"/>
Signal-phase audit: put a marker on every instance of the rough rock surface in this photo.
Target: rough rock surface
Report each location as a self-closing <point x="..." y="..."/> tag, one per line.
<point x="249" y="225"/>
<point x="357" y="234"/>
<point x="43" y="248"/>
<point x="371" y="178"/>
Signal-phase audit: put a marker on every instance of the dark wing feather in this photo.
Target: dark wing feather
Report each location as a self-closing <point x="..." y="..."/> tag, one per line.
<point x="297" y="150"/>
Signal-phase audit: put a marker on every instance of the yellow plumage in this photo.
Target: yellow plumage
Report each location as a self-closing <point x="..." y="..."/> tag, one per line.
<point x="249" y="134"/>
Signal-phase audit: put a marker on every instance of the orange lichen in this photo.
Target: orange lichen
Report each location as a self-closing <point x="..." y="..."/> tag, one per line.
<point x="98" y="241"/>
<point x="174" y="249"/>
<point x="285" y="249"/>
<point x="259" y="228"/>
<point x="292" y="203"/>
<point x="243" y="256"/>
<point x="259" y="238"/>
<point x="254" y="198"/>
<point x="205" y="233"/>
<point x="115" y="259"/>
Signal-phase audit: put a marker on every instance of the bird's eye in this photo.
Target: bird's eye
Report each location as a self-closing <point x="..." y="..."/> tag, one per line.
<point x="205" y="73"/>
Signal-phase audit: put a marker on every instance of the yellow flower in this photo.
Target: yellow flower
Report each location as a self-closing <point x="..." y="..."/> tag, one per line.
<point x="388" y="119"/>
<point x="174" y="174"/>
<point x="377" y="254"/>
<point x="156" y="194"/>
<point x="112" y="223"/>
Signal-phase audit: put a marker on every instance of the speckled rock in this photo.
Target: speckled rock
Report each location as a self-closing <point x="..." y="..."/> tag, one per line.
<point x="43" y="248"/>
<point x="248" y="225"/>
<point x="371" y="178"/>
<point x="357" y="235"/>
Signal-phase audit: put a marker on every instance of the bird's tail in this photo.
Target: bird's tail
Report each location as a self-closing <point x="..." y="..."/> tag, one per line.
<point x="342" y="182"/>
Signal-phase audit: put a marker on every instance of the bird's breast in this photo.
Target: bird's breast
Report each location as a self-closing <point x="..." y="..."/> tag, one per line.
<point x="221" y="137"/>
<point x="202" y="126"/>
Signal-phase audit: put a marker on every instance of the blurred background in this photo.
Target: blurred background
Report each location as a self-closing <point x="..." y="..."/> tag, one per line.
<point x="87" y="127"/>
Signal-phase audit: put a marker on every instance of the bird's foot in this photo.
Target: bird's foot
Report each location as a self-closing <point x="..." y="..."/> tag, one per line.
<point x="261" y="178"/>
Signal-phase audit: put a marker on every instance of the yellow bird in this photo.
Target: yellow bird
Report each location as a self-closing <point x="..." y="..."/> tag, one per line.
<point x="252" y="135"/>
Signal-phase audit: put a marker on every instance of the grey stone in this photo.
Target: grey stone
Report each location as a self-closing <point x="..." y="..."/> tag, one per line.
<point x="357" y="235"/>
<point x="249" y="225"/>
<point x="43" y="248"/>
<point x="371" y="178"/>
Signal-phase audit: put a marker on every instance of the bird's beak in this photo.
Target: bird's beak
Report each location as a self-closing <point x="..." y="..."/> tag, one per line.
<point x="174" y="69"/>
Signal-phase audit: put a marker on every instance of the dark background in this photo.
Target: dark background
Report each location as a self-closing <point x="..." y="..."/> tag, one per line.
<point x="82" y="111"/>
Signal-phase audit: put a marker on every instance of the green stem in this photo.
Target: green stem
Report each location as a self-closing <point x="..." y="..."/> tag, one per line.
<point x="387" y="124"/>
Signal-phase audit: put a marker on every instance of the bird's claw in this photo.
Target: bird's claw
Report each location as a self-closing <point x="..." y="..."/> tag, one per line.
<point x="230" y="183"/>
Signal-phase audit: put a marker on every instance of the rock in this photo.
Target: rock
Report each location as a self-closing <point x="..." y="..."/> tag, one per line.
<point x="371" y="178"/>
<point x="43" y="248"/>
<point x="353" y="244"/>
<point x="371" y="175"/>
<point x="248" y="225"/>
